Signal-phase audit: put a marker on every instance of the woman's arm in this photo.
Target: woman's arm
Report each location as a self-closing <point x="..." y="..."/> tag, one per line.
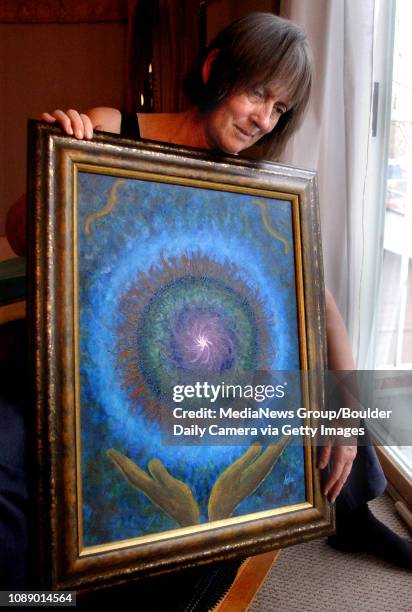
<point x="340" y="357"/>
<point x="339" y="349"/>
<point x="81" y="125"/>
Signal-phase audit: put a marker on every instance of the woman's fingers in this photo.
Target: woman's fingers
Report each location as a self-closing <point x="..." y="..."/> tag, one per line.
<point x="63" y="120"/>
<point x="72" y="122"/>
<point x="47" y="117"/>
<point x="76" y="123"/>
<point x="324" y="455"/>
<point x="341" y="460"/>
<point x="81" y="124"/>
<point x="334" y="475"/>
<point x="87" y="125"/>
<point x="337" y="488"/>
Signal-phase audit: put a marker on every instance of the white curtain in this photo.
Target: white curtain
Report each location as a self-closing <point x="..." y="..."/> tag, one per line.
<point x="334" y="140"/>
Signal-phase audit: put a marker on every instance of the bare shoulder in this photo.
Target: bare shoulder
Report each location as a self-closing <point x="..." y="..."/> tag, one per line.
<point x="105" y="119"/>
<point x="164" y="127"/>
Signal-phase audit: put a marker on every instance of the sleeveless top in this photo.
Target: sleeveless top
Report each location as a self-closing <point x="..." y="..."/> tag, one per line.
<point x="129" y="125"/>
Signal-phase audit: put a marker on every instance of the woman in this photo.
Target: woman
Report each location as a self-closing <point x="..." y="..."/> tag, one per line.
<point x="239" y="96"/>
<point x="252" y="86"/>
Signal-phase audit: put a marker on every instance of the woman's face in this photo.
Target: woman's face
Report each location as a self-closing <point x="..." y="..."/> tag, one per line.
<point x="245" y="117"/>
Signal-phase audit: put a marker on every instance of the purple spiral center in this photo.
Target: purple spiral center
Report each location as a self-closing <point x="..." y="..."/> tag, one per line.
<point x="202" y="340"/>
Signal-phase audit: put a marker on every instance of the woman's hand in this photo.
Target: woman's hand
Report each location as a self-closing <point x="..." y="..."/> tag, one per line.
<point x="342" y="365"/>
<point x="341" y="459"/>
<point x="73" y="123"/>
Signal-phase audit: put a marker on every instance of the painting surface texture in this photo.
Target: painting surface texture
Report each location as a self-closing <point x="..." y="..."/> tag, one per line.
<point x="177" y="282"/>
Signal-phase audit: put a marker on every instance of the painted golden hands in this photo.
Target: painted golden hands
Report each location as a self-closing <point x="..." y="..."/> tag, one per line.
<point x="172" y="496"/>
<point x="242" y="478"/>
<point x="175" y="497"/>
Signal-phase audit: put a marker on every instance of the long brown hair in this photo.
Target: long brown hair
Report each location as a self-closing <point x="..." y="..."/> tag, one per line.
<point x="255" y="50"/>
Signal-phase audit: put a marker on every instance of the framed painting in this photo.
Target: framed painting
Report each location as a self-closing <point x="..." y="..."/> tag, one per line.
<point x="176" y="308"/>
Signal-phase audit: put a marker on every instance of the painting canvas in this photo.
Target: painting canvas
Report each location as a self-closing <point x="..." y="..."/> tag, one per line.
<point x="179" y="273"/>
<point x="181" y="278"/>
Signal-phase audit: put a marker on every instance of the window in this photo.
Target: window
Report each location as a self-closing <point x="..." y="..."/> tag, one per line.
<point x="394" y="325"/>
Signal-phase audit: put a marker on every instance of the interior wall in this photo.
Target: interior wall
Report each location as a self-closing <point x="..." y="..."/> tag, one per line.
<point x="44" y="66"/>
<point x="222" y="12"/>
<point x="48" y="66"/>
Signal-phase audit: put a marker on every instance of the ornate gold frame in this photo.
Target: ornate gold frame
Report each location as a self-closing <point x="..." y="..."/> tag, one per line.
<point x="55" y="159"/>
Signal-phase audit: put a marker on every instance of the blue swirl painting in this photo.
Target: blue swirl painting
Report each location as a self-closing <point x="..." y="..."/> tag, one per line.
<point x="172" y="279"/>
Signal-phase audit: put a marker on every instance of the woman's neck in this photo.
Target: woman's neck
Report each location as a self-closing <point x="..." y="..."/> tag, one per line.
<point x="185" y="128"/>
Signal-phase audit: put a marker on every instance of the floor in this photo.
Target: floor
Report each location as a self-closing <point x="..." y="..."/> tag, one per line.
<point x="314" y="577"/>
